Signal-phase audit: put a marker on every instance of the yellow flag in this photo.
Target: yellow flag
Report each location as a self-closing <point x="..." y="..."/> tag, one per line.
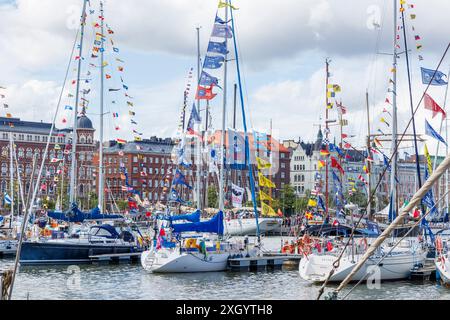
<point x="312" y="203"/>
<point x="267" y="210"/>
<point x="264" y="196"/>
<point x="336" y="88"/>
<point x="264" y="182"/>
<point x="427" y="156"/>
<point x="225" y="4"/>
<point x="137" y="139"/>
<point x="402" y="1"/>
<point x="263" y="164"/>
<point x="321" y="164"/>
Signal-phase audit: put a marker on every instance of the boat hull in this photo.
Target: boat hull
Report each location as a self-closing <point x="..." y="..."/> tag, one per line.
<point x="316" y="268"/>
<point x="8" y="248"/>
<point x="171" y="261"/>
<point x="443" y="267"/>
<point x="244" y="227"/>
<point x="41" y="253"/>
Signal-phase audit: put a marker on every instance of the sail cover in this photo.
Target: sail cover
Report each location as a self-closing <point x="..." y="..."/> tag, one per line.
<point x="77" y="216"/>
<point x="215" y="225"/>
<point x="193" y="217"/>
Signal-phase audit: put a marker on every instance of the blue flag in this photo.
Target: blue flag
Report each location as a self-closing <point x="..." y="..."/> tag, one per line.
<point x="218" y="47"/>
<point x="222" y="31"/>
<point x="219" y="20"/>
<point x="213" y="62"/>
<point x="429" y="131"/>
<point x="427" y="77"/>
<point x="193" y="119"/>
<point x="207" y="80"/>
<point x="428" y="199"/>
<point x="8" y="199"/>
<point x="68" y="108"/>
<point x="392" y="213"/>
<point x="180" y="179"/>
<point x="175" y="197"/>
<point x="321" y="204"/>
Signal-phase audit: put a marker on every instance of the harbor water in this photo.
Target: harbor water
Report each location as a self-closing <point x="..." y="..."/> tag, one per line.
<point x="132" y="282"/>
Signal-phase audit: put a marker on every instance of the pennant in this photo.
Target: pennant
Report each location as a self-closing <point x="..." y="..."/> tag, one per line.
<point x="321" y="164"/>
<point x="264" y="182"/>
<point x="113" y="90"/>
<point x="218" y="47"/>
<point x="428" y="158"/>
<point x="222" y="31"/>
<point x="132" y="113"/>
<point x="213" y="62"/>
<point x="429" y="131"/>
<point x="430" y="104"/>
<point x="312" y="203"/>
<point x="384" y="121"/>
<point x="204" y="93"/>
<point x="267" y="210"/>
<point x="115" y="115"/>
<point x="180" y="179"/>
<point x="264" y="196"/>
<point x="121" y="141"/>
<point x="226" y="4"/>
<point x="263" y="164"/>
<point x="335" y="164"/>
<point x="68" y="108"/>
<point x="427" y="77"/>
<point x="324" y="153"/>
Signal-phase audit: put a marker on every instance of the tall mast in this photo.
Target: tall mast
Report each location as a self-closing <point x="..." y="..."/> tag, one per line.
<point x="394" y="117"/>
<point x="75" y="118"/>
<point x="11" y="177"/>
<point x="224" y="113"/>
<point x="101" y="180"/>
<point x="199" y="162"/>
<point x="369" y="165"/>
<point x="419" y="178"/>
<point x="326" y="135"/>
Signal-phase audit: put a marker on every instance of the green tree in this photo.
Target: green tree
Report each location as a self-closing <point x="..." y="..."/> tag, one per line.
<point x="122" y="204"/>
<point x="287" y="199"/>
<point x="358" y="198"/>
<point x="212" y="197"/>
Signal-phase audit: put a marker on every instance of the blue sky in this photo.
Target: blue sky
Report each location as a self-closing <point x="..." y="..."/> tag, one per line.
<point x="283" y="46"/>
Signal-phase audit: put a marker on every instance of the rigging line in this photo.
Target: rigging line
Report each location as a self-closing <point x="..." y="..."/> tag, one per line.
<point x="37" y="187"/>
<point x="398" y="242"/>
<point x="382" y="174"/>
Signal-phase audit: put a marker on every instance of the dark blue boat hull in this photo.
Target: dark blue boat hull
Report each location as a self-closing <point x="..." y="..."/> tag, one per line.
<point x="39" y="253"/>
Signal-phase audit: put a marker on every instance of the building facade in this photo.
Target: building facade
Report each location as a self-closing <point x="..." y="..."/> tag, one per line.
<point x="30" y="139"/>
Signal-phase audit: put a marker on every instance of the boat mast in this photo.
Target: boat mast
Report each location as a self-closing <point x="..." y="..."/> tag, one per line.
<point x="369" y="164"/>
<point x="394" y="118"/>
<point x="11" y="177"/>
<point x="247" y="147"/>
<point x="327" y="62"/>
<point x="224" y="113"/>
<point x="101" y="180"/>
<point x="199" y="164"/>
<point x="75" y="118"/>
<point x="419" y="178"/>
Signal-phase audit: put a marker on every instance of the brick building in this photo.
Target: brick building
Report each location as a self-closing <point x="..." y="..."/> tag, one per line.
<point x="30" y="139"/>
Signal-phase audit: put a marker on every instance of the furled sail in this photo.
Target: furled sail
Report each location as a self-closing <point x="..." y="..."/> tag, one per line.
<point x="215" y="225"/>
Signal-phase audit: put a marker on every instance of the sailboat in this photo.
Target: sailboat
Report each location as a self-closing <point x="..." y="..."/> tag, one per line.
<point x="396" y="263"/>
<point x="91" y="238"/>
<point x="198" y="246"/>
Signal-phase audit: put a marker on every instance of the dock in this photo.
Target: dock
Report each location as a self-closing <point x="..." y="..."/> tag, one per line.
<point x="116" y="258"/>
<point x="424" y="272"/>
<point x="271" y="261"/>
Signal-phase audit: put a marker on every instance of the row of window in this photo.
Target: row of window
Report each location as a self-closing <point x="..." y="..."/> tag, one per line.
<point x="36" y="138"/>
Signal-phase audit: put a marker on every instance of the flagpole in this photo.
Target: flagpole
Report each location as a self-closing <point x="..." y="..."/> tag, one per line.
<point x="369" y="164"/>
<point x="11" y="182"/>
<point x="327" y="62"/>
<point x="199" y="165"/>
<point x="224" y="113"/>
<point x="75" y="120"/>
<point x="393" y="193"/>
<point x="101" y="180"/>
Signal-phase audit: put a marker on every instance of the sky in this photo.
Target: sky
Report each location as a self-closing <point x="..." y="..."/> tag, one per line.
<point x="282" y="48"/>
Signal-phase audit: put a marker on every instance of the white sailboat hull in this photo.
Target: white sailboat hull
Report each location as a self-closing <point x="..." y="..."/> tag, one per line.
<point x="396" y="266"/>
<point x="243" y="227"/>
<point x="171" y="261"/>
<point x="443" y="267"/>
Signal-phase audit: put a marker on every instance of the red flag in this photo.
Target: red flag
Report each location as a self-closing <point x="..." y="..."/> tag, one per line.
<point x="205" y="93"/>
<point x="430" y="104"/>
<point x="335" y="164"/>
<point x="344" y="136"/>
<point x="347" y="145"/>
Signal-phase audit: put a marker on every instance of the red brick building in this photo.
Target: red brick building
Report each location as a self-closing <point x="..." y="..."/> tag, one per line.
<point x="30" y="139"/>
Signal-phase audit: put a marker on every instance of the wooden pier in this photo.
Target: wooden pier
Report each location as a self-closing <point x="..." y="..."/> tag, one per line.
<point x="425" y="272"/>
<point x="116" y="258"/>
<point x="266" y="262"/>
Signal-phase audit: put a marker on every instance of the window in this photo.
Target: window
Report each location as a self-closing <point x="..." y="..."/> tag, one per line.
<point x="282" y="156"/>
<point x="4" y="169"/>
<point x="5" y="136"/>
<point x="135" y="169"/>
<point x="156" y="160"/>
<point x="82" y="139"/>
<point x="135" y="159"/>
<point x="29" y="153"/>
